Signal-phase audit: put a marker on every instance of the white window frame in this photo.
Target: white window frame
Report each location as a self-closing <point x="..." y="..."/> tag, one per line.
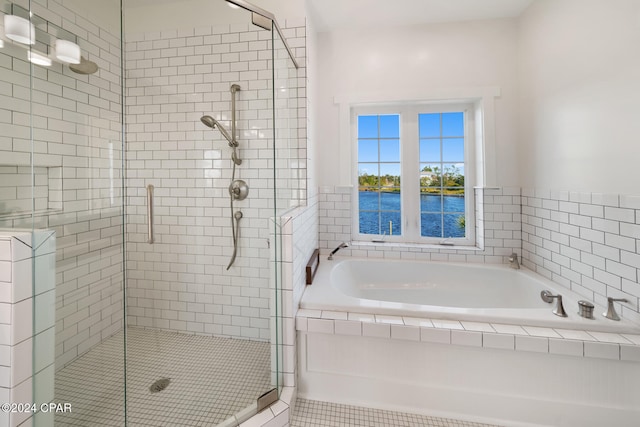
<point x="410" y="160"/>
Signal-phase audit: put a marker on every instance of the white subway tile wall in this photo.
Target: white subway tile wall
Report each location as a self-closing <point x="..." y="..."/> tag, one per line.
<point x="587" y="242"/>
<point x="498" y="226"/>
<point x="16" y="187"/>
<point x="180" y="282"/>
<point x="76" y="156"/>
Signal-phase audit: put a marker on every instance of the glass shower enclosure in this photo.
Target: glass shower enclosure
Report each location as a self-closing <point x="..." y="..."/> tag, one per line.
<point x="124" y="304"/>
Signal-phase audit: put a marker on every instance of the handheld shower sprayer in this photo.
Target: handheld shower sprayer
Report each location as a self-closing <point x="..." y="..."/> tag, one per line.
<point x="213" y="123"/>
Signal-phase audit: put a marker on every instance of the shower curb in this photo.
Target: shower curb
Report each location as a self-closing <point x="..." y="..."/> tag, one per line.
<point x="276" y="415"/>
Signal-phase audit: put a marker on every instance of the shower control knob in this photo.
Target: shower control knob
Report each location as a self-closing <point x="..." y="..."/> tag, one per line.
<point x="239" y="189"/>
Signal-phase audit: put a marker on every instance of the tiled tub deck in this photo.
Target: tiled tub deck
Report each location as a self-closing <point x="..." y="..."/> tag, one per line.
<point x="475" y="334"/>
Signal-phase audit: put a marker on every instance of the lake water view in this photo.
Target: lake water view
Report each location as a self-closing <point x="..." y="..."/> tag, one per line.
<point x="378" y="209"/>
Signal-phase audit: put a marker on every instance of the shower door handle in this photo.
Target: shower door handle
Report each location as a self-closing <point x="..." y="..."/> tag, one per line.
<point x="150" y="238"/>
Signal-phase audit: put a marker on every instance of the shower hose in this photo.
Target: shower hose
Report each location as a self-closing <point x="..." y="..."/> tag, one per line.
<point x="235" y="216"/>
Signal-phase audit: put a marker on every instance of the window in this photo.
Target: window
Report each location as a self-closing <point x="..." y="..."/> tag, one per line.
<point x="413" y="167"/>
<point x="379" y="175"/>
<point x="442" y="174"/>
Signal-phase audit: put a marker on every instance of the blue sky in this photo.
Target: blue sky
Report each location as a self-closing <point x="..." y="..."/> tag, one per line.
<point x="379" y="135"/>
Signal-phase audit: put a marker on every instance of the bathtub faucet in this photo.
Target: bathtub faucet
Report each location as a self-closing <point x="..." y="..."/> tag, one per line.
<point x="548" y="297"/>
<point x="611" y="310"/>
<point x="513" y="261"/>
<point x="342" y="245"/>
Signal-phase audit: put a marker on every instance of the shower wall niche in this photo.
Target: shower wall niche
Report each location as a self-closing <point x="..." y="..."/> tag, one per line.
<point x="16" y="196"/>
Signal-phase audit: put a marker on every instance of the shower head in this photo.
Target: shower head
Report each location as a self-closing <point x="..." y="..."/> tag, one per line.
<point x="213" y="123"/>
<point x="209" y="121"/>
<point x="84" y="67"/>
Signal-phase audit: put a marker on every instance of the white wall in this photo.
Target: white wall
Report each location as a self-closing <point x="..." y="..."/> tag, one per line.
<point x="407" y="60"/>
<point x="105" y="13"/>
<point x="579" y="85"/>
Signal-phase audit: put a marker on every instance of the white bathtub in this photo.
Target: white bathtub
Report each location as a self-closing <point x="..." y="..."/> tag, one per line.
<point x="473" y="292"/>
<point x="515" y="384"/>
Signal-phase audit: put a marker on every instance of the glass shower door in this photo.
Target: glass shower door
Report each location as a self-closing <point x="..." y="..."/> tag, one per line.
<point x="199" y="329"/>
<point x="61" y="150"/>
<point x="16" y="226"/>
<point x="202" y="341"/>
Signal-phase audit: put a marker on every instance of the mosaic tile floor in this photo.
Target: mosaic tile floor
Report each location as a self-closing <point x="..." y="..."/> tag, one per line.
<point x="311" y="413"/>
<point x="211" y="379"/>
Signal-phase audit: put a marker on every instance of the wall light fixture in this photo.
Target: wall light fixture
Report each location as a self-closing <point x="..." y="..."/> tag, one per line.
<point x="19" y="29"/>
<point x="67" y="51"/>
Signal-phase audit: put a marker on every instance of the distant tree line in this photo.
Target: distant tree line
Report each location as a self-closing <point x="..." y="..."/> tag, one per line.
<point x="431" y="181"/>
<point x="374" y="182"/>
<point x="448" y="178"/>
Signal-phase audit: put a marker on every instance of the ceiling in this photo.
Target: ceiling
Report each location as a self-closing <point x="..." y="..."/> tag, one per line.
<point x="343" y="14"/>
<point x="328" y="15"/>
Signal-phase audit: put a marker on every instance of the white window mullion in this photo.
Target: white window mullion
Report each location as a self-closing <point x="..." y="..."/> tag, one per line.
<point x="411" y="173"/>
<point x="470" y="172"/>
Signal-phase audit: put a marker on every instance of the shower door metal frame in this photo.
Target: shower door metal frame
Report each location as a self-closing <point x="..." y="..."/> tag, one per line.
<point x="270" y="16"/>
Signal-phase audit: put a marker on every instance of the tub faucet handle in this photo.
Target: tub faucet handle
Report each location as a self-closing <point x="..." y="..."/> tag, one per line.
<point x="611" y="310"/>
<point x="513" y="261"/>
<point x="558" y="310"/>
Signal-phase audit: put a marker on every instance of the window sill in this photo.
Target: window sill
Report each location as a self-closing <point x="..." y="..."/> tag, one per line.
<point x="415" y="245"/>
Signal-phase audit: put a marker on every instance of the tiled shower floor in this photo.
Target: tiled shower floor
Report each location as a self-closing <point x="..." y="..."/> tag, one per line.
<point x="211" y="379"/>
<point x="311" y="413"/>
